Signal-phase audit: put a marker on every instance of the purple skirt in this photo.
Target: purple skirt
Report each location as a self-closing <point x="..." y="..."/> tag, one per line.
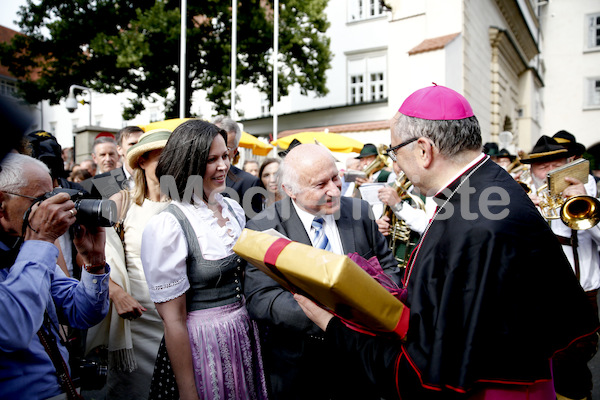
<point x="226" y="355"/>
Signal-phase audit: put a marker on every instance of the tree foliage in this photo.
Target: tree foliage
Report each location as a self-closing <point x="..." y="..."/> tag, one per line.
<point x="118" y="45"/>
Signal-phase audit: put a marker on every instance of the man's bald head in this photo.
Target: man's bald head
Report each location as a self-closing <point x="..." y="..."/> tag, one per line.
<point x="309" y="176"/>
<point x="299" y="161"/>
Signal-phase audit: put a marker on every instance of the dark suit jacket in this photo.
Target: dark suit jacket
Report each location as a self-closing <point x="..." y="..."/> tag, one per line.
<point x="240" y="181"/>
<point x="298" y="365"/>
<point x="106" y="184"/>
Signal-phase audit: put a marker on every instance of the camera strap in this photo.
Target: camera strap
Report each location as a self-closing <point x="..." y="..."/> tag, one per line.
<point x="49" y="342"/>
<point x="26" y="219"/>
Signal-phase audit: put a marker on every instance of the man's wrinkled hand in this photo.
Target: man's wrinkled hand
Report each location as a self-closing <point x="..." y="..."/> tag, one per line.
<point x="51" y="218"/>
<point x="388" y="195"/>
<point x="315" y="313"/>
<point x="575" y="188"/>
<point x="383" y="224"/>
<point x="90" y="242"/>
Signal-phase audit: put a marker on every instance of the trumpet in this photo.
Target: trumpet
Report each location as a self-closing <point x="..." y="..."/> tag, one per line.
<point x="525" y="180"/>
<point x="577" y="212"/>
<point x="401" y="232"/>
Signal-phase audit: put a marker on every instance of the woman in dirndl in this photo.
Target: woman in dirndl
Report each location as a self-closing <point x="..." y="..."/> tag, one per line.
<point x="211" y="347"/>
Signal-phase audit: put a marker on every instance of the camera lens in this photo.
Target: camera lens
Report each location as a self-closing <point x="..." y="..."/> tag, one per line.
<point x="93" y="212"/>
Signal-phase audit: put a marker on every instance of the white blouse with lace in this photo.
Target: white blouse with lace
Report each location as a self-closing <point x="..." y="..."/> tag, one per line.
<point x="164" y="246"/>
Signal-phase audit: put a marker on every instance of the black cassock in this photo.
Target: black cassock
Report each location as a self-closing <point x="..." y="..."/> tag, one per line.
<point x="491" y="296"/>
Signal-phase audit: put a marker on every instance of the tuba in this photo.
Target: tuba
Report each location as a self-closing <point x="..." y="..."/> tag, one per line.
<point x="401" y="234"/>
<point x="379" y="163"/>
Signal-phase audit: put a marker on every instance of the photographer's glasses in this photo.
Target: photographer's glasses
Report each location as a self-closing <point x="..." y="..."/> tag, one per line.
<point x="23" y="195"/>
<point x="391" y="152"/>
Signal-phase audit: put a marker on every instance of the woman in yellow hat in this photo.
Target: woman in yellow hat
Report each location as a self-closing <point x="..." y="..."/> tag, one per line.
<point x="133" y="329"/>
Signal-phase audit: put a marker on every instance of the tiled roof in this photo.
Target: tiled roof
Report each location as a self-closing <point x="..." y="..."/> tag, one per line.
<point x="361" y="126"/>
<point x="6" y="35"/>
<point x="436" y="43"/>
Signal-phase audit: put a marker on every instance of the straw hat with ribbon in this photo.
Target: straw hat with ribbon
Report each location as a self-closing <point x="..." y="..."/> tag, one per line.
<point x="151" y="140"/>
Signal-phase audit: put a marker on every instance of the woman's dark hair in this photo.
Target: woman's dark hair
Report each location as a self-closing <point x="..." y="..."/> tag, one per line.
<point x="264" y="164"/>
<point x="186" y="152"/>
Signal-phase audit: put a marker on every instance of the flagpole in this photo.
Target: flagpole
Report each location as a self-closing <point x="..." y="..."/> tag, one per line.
<point x="275" y="69"/>
<point x="182" y="65"/>
<point x="233" y="56"/>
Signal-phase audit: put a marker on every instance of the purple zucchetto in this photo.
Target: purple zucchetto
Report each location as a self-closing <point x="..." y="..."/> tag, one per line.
<point x="436" y="103"/>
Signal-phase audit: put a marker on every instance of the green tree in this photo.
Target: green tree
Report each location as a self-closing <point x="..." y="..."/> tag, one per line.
<point x="117" y="45"/>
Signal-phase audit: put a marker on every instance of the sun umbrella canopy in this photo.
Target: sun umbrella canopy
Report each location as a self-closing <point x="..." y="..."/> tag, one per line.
<point x="247" y="140"/>
<point x="333" y="141"/>
<point x="168" y="124"/>
<point x="258" y="147"/>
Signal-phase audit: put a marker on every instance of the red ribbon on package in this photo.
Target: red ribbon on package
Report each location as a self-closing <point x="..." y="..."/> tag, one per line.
<point x="270" y="260"/>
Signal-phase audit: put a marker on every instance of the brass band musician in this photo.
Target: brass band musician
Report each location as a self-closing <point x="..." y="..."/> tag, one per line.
<point x="501" y="157"/>
<point x="367" y="156"/>
<point x="572" y="377"/>
<point x="411" y="212"/>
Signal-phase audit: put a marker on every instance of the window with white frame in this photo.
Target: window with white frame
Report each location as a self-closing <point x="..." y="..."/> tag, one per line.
<point x="593" y="34"/>
<point x="364" y="9"/>
<point x="367" y="78"/>
<point x="8" y="88"/>
<point x="265" y="108"/>
<point x="377" y="86"/>
<point x="593" y="92"/>
<point x="357" y="89"/>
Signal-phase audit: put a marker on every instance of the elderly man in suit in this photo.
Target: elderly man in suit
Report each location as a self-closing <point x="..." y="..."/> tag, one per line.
<point x="110" y="182"/>
<point x="293" y="350"/>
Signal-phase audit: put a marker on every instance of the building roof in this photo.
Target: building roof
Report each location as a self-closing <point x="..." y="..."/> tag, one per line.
<point x="6" y="35"/>
<point x="432" y="44"/>
<point x="345" y="128"/>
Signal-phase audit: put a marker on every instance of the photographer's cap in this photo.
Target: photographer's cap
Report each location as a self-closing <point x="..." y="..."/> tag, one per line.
<point x="151" y="140"/>
<point x="436" y="103"/>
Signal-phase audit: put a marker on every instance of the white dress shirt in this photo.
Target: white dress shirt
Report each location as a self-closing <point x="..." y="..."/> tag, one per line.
<point x="331" y="229"/>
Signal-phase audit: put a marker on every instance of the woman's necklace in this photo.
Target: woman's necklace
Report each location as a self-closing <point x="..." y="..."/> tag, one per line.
<point x="413" y="259"/>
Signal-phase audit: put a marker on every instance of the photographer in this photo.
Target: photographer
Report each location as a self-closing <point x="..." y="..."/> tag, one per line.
<point x="34" y="293"/>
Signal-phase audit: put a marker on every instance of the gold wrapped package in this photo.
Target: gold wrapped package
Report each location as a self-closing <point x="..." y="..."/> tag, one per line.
<point x="332" y="280"/>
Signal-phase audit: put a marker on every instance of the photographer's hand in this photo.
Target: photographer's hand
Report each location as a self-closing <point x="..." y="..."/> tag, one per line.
<point x="90" y="242"/>
<point x="51" y="218"/>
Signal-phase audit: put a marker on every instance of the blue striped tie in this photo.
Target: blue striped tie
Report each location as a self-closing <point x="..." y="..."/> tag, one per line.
<point x="320" y="240"/>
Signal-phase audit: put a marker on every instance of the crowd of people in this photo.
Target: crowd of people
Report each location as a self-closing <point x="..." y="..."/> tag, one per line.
<point x="503" y="302"/>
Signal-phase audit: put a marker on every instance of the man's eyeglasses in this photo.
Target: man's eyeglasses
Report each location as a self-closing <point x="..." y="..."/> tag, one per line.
<point x="22" y="195"/>
<point x="391" y="152"/>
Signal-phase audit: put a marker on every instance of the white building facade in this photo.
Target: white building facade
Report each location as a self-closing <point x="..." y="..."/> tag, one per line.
<point x="572" y="59"/>
<point x="486" y="49"/>
<point x="527" y="67"/>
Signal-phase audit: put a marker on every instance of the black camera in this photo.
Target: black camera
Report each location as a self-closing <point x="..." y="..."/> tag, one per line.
<point x="92" y="375"/>
<point x="90" y="212"/>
